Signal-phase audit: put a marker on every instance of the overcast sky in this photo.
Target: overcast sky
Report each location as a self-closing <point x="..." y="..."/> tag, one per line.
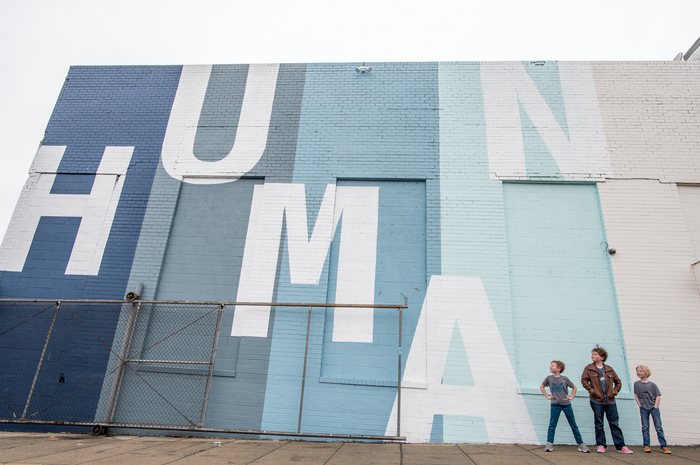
<point x="40" y="40"/>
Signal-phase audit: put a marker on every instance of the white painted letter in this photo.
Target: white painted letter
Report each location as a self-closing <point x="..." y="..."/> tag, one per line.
<point x="251" y="136"/>
<point x="582" y="155"/>
<point x="96" y="210"/>
<point x="495" y="394"/>
<point x="357" y="262"/>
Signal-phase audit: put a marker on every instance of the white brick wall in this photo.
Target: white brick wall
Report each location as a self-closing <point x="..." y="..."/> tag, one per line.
<point x="657" y="292"/>
<point x="651" y="115"/>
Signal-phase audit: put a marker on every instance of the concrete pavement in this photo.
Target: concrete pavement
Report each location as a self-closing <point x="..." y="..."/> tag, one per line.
<point x="55" y="449"/>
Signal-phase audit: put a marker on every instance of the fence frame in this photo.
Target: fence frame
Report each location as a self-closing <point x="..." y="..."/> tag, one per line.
<point x="101" y="427"/>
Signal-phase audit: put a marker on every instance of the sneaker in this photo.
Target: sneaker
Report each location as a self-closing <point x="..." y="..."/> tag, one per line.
<point x="647" y="450"/>
<point x="625" y="450"/>
<point x="583" y="448"/>
<point x="665" y="450"/>
<point x="600" y="449"/>
<point x="548" y="447"/>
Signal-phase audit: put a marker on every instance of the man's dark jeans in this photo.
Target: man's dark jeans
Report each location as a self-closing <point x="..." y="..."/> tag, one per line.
<point x="610" y="411"/>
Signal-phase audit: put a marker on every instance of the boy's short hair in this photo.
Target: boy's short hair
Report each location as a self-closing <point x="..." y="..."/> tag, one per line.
<point x="560" y="365"/>
<point x="600" y="351"/>
<point x="645" y="369"/>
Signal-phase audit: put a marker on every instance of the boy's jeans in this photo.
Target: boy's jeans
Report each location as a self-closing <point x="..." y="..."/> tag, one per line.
<point x="554" y="418"/>
<point x="656" y="416"/>
<point x="610" y="411"/>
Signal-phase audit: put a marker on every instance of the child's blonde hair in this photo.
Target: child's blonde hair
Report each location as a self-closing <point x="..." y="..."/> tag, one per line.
<point x="645" y="369"/>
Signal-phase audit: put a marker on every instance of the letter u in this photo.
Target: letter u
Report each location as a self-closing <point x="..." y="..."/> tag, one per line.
<point x="251" y="136"/>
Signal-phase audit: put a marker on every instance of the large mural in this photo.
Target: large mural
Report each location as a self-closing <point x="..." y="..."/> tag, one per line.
<point x="470" y="189"/>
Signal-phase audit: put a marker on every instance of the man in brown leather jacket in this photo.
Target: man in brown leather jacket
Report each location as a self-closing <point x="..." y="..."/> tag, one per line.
<point x="603" y="384"/>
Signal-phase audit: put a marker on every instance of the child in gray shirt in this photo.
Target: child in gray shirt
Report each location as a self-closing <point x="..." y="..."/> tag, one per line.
<point x="648" y="396"/>
<point x="561" y="401"/>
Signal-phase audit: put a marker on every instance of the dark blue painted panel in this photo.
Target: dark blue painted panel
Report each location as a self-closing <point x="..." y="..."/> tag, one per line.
<point x="98" y="107"/>
<point x="79" y="184"/>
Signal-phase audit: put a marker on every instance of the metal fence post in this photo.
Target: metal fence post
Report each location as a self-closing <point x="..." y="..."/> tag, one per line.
<point x="303" y="376"/>
<point x="124" y="354"/>
<point x="41" y="361"/>
<point x="210" y="376"/>
<point x="398" y="388"/>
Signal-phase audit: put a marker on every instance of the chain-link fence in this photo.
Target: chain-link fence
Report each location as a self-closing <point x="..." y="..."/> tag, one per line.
<point x="125" y="364"/>
<point x="161" y="365"/>
<point x="53" y="359"/>
<point x="65" y="363"/>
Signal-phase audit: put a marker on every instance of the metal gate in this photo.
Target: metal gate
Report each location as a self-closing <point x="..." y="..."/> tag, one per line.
<point x="63" y="362"/>
<point x="133" y="364"/>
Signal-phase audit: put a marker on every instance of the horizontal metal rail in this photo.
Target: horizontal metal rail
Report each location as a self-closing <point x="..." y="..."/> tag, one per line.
<point x="180" y="362"/>
<point x="197" y="302"/>
<point x="214" y="430"/>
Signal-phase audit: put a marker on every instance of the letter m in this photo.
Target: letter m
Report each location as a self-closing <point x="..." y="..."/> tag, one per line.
<point x="307" y="256"/>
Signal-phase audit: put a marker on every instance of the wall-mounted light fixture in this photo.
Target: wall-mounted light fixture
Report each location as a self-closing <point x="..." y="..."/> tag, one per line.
<point x="363" y="69"/>
<point x="609" y="249"/>
<point x="135" y="295"/>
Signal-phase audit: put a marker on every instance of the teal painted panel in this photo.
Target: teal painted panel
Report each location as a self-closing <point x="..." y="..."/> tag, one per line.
<point x="561" y="281"/>
<point x="472" y="216"/>
<point x="457" y="371"/>
<point x="458" y="429"/>
<point x="545" y="75"/>
<point x="538" y="158"/>
<point x="462" y="428"/>
<point x="437" y="430"/>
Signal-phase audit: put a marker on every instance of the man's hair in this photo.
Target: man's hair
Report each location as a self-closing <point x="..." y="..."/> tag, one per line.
<point x="645" y="369"/>
<point x="600" y="351"/>
<point x="560" y="365"/>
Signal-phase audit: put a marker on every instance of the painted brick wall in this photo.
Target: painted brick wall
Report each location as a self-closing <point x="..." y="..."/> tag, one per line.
<point x="651" y="116"/>
<point x="651" y="119"/>
<point x="486" y="193"/>
<point x="656" y="289"/>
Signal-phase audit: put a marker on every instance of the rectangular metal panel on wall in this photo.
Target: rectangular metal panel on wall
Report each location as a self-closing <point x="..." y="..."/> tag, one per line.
<point x="203" y="261"/>
<point x="399" y="271"/>
<point x="561" y="282"/>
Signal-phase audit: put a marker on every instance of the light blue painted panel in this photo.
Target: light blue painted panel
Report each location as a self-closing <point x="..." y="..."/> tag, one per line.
<point x="382" y="125"/>
<point x="562" y="289"/>
<point x="462" y="428"/>
<point x="458" y="429"/>
<point x="563" y="296"/>
<point x="400" y="273"/>
<point x="350" y="387"/>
